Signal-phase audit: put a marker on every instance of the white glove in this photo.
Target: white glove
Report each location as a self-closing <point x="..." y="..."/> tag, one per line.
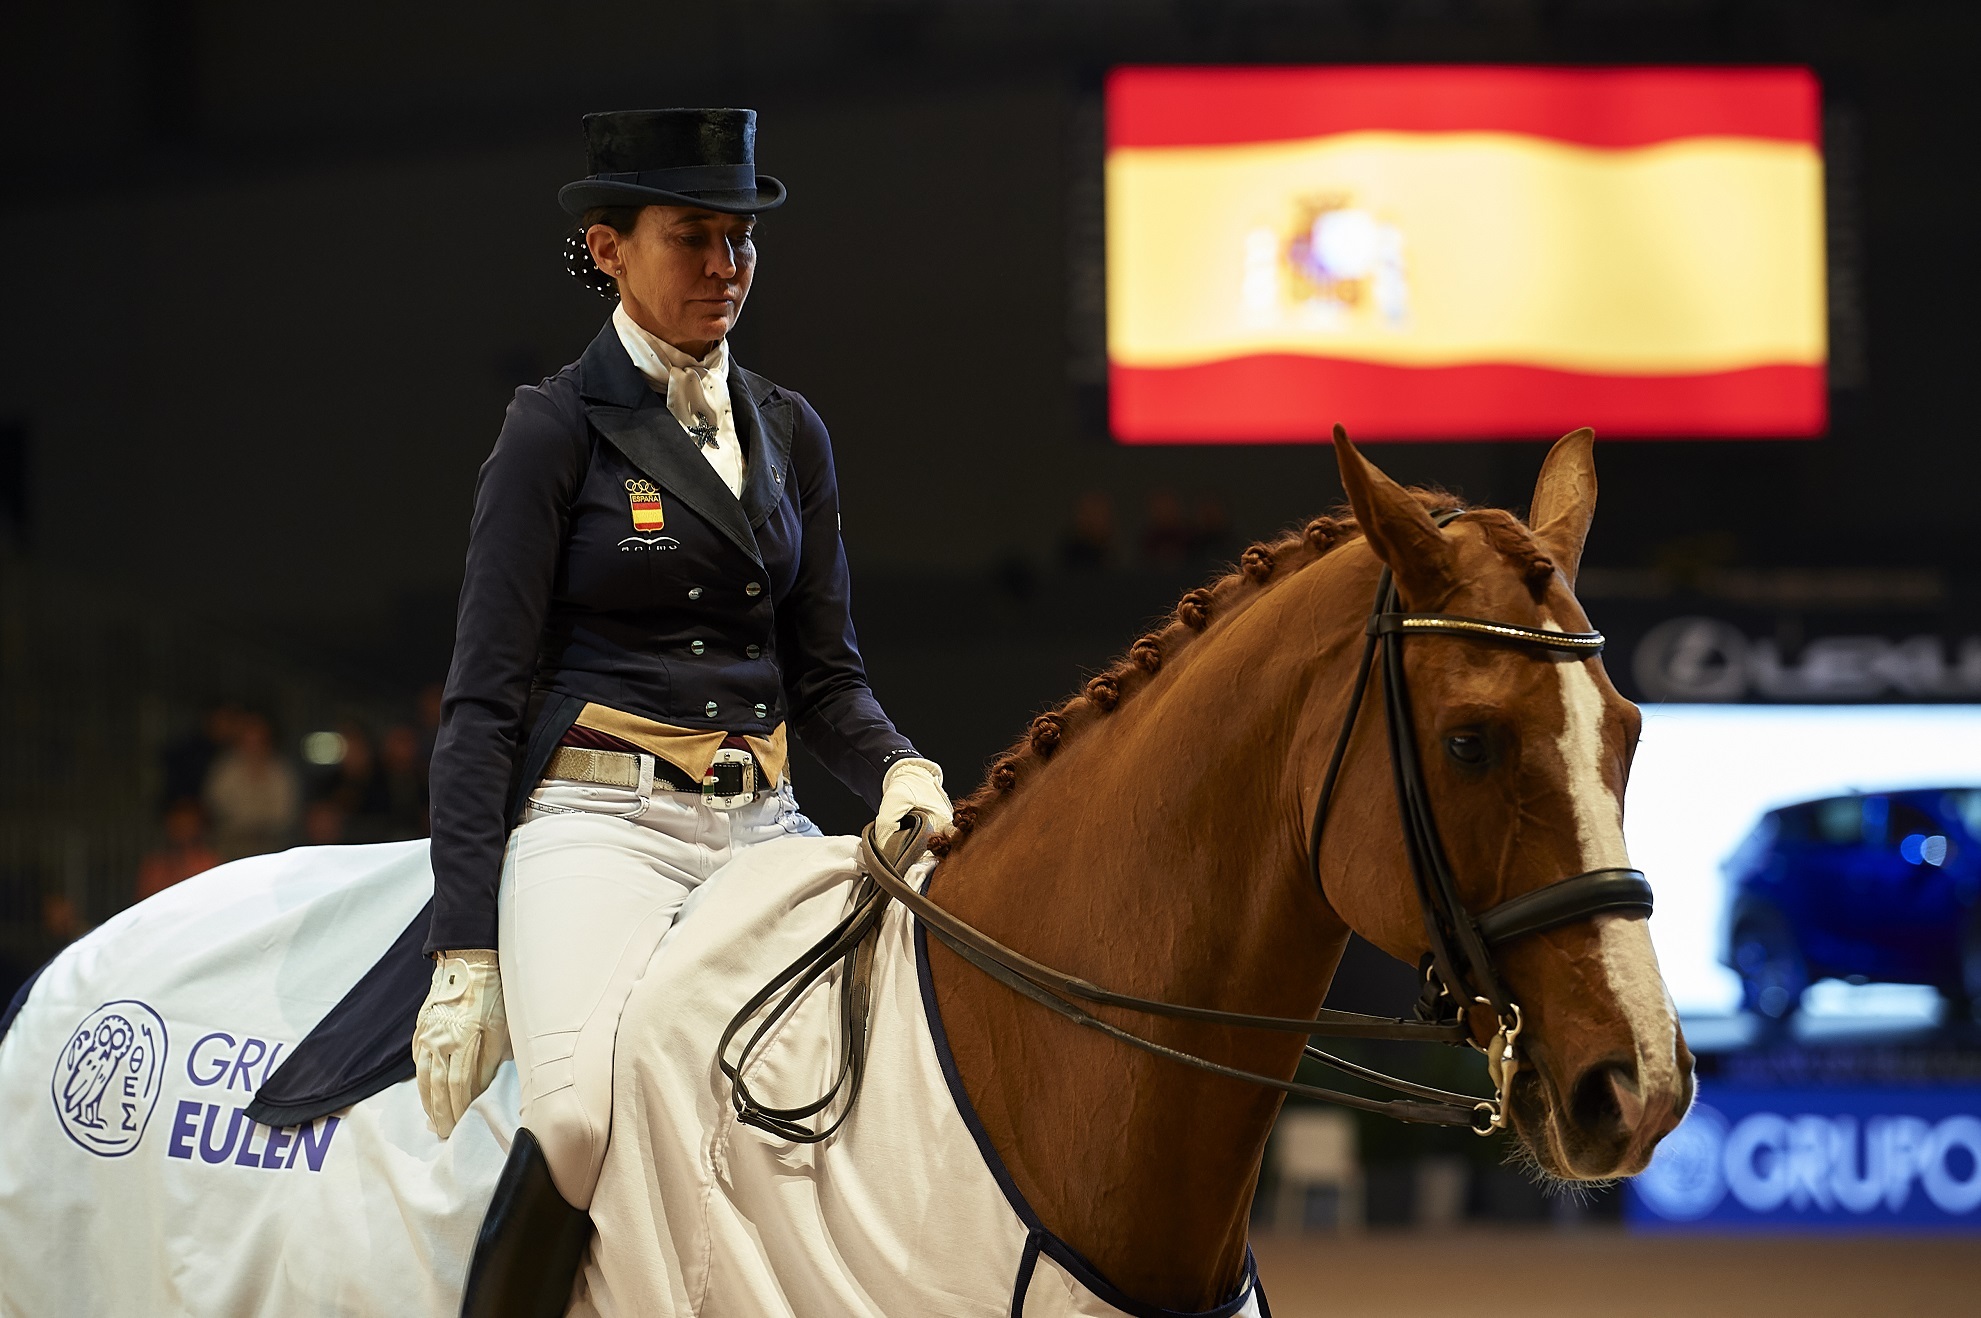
<point x="911" y="785"/>
<point x="462" y="1035"/>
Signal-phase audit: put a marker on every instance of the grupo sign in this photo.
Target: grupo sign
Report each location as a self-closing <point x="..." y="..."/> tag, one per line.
<point x="1709" y="659"/>
<point x="1818" y="1159"/>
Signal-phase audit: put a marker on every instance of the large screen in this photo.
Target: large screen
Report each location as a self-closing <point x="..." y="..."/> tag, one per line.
<point x="1464" y="252"/>
<point x="1705" y="775"/>
<point x="1863" y="823"/>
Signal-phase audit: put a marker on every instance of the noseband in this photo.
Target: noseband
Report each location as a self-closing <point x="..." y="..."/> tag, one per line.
<point x="1458" y="969"/>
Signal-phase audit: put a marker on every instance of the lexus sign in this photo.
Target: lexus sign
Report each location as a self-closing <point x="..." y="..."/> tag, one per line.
<point x="1706" y="659"/>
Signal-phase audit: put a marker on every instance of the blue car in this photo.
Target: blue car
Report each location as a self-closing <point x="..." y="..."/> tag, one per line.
<point x="1880" y="886"/>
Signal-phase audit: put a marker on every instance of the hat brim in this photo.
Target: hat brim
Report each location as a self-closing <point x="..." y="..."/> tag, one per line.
<point x="577" y="198"/>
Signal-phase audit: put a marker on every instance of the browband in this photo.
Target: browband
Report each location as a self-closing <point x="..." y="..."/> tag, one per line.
<point x="1389" y="624"/>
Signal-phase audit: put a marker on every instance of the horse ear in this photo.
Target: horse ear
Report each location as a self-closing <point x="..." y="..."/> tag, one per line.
<point x="1565" y="500"/>
<point x="1398" y="529"/>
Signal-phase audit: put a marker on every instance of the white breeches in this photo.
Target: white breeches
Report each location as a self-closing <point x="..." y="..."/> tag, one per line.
<point x="592" y="879"/>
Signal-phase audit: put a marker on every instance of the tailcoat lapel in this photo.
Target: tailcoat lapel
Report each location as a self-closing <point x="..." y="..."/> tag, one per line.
<point x="634" y="417"/>
<point x="763" y="425"/>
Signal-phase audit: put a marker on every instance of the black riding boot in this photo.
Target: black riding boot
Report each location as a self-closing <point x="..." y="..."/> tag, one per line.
<point x="531" y="1243"/>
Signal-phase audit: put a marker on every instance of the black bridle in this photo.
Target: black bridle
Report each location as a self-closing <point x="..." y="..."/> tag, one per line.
<point x="1458" y="969"/>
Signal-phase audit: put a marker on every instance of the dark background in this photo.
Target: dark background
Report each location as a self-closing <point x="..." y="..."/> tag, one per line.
<point x="269" y="274"/>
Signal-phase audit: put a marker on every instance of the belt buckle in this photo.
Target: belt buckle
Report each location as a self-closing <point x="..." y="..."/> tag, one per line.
<point x="731" y="781"/>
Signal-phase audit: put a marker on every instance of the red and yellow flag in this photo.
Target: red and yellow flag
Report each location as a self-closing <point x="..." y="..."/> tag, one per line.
<point x="645" y="500"/>
<point x="1430" y="252"/>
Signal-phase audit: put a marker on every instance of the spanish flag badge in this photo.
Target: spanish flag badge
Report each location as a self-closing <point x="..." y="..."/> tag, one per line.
<point x="645" y="498"/>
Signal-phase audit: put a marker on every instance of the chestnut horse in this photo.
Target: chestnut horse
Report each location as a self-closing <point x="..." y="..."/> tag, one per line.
<point x="1150" y="836"/>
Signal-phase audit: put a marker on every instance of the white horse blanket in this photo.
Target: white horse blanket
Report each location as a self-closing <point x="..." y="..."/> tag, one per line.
<point x="131" y="1182"/>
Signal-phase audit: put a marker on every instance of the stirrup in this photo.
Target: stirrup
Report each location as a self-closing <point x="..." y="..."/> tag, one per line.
<point x="530" y="1245"/>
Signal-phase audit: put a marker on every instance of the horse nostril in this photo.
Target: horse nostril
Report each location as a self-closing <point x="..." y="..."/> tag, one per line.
<point x="1607" y="1101"/>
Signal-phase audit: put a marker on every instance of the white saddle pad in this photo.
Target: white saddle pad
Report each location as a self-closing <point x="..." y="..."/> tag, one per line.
<point x="899" y="1213"/>
<point x="131" y="1182"/>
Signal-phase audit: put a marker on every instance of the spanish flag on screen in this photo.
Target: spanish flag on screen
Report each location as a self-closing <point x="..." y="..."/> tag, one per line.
<point x="1427" y="253"/>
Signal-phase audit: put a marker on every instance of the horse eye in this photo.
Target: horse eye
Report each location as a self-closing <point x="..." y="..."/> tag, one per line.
<point x="1466" y="748"/>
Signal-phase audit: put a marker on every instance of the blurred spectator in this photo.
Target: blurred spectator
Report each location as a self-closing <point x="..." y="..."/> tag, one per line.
<point x="61" y="922"/>
<point x="1014" y="577"/>
<point x="31" y="948"/>
<point x="1089" y="542"/>
<point x="1167" y="536"/>
<point x="355" y="786"/>
<point x="402" y="783"/>
<point x="184" y="854"/>
<point x="1210" y="533"/>
<point x="430" y="698"/>
<point x="324" y="823"/>
<point x="251" y="793"/>
<point x="14" y="972"/>
<point x="189" y="759"/>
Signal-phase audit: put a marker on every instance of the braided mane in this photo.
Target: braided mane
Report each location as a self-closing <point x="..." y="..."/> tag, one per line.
<point x="1260" y="565"/>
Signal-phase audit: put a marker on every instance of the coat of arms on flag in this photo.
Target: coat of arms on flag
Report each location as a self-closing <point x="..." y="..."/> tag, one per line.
<point x="645" y="498"/>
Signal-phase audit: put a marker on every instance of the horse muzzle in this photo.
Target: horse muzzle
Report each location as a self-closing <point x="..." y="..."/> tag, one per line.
<point x="1606" y="1122"/>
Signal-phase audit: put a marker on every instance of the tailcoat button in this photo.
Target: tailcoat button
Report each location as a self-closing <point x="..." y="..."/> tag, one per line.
<point x="694" y="592"/>
<point x="710" y="707"/>
<point x="753" y="589"/>
<point x="753" y="650"/>
<point x="695" y="647"/>
<point x="762" y="710"/>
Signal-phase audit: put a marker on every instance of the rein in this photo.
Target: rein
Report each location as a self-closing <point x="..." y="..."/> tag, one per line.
<point x="1458" y="969"/>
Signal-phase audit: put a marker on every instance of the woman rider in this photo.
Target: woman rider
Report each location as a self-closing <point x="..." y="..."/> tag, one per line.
<point x="655" y="591"/>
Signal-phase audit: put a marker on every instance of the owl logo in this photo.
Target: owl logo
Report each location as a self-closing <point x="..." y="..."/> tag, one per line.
<point x="108" y="1076"/>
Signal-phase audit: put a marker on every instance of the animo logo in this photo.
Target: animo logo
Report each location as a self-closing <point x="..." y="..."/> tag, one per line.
<point x="107" y="1077"/>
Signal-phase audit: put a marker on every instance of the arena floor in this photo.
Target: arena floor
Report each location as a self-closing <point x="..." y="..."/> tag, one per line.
<point x="1610" y="1274"/>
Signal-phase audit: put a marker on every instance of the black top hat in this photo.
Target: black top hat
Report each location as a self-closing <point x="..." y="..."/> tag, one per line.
<point x="703" y="158"/>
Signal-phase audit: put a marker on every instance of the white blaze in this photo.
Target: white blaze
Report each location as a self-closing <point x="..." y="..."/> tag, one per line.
<point x="1629" y="962"/>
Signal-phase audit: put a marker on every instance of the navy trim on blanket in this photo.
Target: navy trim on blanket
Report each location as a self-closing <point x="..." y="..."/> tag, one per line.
<point x="1028" y="1263"/>
<point x="1040" y="1240"/>
<point x="20" y="999"/>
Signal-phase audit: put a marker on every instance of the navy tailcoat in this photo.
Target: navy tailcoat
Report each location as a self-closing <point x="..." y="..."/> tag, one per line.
<point x="733" y="614"/>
